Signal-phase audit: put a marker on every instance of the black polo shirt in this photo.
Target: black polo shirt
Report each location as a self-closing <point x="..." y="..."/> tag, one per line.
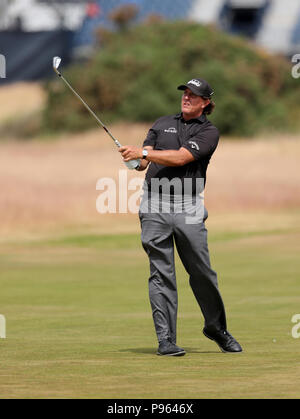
<point x="198" y="135"/>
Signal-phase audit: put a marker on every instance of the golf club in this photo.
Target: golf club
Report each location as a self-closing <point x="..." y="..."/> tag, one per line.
<point x="132" y="164"/>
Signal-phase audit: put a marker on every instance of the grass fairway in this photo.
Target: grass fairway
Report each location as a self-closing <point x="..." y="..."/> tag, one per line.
<point x="79" y="322"/>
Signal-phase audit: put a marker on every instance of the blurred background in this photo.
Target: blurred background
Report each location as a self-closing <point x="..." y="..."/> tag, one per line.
<point x="126" y="59"/>
<point x="74" y="281"/>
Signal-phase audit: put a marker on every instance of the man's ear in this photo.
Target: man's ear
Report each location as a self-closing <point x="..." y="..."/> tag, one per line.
<point x="207" y="102"/>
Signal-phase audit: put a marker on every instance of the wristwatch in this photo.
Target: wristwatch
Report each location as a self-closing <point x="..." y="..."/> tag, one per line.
<point x="145" y="153"/>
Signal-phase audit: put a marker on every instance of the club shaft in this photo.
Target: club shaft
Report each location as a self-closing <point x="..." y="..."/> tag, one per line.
<point x="90" y="111"/>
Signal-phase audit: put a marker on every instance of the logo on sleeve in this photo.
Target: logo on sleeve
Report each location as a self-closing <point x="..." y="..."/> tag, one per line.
<point x="172" y="130"/>
<point x="194" y="145"/>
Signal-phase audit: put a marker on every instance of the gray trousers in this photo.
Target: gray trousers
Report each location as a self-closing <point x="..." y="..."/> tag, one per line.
<point x="160" y="231"/>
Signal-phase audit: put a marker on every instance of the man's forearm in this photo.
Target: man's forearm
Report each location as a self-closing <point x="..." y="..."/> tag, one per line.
<point x="143" y="165"/>
<point x="166" y="157"/>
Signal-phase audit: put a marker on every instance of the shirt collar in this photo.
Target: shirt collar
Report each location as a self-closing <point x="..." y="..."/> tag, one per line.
<point x="202" y="118"/>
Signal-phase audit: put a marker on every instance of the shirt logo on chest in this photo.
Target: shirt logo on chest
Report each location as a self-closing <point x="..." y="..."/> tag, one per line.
<point x="171" y="130"/>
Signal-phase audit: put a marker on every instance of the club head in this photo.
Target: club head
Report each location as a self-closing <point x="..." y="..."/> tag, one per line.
<point x="56" y="63"/>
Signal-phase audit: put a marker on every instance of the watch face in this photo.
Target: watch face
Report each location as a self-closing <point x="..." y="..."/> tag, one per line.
<point x="145" y="153"/>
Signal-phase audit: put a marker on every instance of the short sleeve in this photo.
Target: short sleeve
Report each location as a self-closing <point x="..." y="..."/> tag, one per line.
<point x="151" y="138"/>
<point x="153" y="133"/>
<point x="203" y="144"/>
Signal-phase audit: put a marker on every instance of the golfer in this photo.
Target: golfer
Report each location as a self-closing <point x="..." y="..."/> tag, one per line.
<point x="177" y="150"/>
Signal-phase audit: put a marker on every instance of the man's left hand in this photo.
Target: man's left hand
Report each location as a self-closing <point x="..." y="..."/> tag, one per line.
<point x="130" y="152"/>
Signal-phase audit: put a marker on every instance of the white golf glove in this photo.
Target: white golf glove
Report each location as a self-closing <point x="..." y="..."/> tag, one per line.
<point x="133" y="164"/>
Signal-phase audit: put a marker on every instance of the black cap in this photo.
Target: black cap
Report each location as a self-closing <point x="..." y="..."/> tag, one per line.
<point x="199" y="87"/>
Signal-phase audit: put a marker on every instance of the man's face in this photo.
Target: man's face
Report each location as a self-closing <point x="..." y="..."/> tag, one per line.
<point x="192" y="105"/>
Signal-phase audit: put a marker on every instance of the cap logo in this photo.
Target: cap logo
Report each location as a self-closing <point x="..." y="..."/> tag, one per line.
<point x="195" y="82"/>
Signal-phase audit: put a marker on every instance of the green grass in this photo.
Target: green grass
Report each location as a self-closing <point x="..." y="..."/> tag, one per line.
<point x="79" y="322"/>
